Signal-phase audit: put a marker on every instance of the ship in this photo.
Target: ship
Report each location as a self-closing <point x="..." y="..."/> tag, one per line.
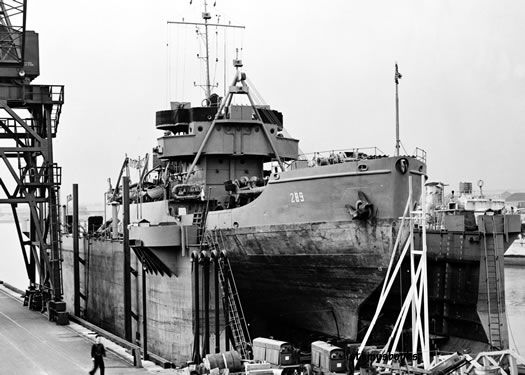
<point x="309" y="237"/>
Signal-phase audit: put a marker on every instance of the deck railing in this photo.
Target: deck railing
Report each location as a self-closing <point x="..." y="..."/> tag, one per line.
<point x="318" y="158"/>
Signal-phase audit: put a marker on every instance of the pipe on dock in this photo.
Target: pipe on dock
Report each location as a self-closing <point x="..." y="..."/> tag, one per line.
<point x="205" y="261"/>
<point x="144" y="314"/>
<point x="196" y="307"/>
<point x="216" y="294"/>
<point x="127" y="258"/>
<point x="76" y="254"/>
<point x="114" y="220"/>
<point x="227" y="330"/>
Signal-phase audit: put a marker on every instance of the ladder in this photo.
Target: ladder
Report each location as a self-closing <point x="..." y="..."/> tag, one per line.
<point x="492" y="278"/>
<point x="231" y="300"/>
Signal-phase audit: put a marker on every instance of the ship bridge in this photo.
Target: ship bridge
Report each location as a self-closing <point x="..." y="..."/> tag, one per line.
<point x="236" y="133"/>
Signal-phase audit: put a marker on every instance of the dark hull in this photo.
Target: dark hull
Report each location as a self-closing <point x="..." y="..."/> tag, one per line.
<point x="321" y="280"/>
<point x="334" y="293"/>
<point x="319" y="274"/>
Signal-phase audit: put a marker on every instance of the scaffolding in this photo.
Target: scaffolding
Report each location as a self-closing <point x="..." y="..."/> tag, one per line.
<point x="416" y="300"/>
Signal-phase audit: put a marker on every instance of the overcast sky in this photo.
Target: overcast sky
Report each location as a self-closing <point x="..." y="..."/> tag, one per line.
<point x="327" y="65"/>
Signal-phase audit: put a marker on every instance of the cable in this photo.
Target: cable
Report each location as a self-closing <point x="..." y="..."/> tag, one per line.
<point x="168" y="63"/>
<point x="510" y="331"/>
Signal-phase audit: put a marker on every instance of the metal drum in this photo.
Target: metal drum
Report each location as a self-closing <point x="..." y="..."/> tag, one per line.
<point x="230" y="360"/>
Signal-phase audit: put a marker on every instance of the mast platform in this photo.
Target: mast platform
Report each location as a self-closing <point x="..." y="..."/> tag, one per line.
<point x="33" y="345"/>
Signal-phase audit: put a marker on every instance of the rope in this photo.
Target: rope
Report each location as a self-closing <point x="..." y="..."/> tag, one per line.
<point x="511" y="334"/>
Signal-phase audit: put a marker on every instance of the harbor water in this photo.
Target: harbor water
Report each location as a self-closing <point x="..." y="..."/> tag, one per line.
<point x="12" y="271"/>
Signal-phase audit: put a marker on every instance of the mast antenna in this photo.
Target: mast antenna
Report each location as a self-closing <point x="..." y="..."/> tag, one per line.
<point x="206" y="16"/>
<point x="397" y="77"/>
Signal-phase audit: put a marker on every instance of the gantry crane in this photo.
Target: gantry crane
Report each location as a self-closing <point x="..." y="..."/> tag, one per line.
<point x="31" y="180"/>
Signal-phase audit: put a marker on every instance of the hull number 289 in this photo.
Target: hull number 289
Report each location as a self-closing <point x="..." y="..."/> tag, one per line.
<point x="297" y="197"/>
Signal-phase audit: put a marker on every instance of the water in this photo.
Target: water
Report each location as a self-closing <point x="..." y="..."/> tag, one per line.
<point x="12" y="270"/>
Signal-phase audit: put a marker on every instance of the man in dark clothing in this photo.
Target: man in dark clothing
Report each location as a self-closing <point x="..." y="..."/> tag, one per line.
<point x="98" y="352"/>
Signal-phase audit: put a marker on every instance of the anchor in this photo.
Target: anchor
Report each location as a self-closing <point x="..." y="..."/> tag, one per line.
<point x="363" y="209"/>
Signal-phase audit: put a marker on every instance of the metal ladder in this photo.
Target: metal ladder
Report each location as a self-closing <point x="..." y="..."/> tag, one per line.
<point x="231" y="300"/>
<point x="493" y="287"/>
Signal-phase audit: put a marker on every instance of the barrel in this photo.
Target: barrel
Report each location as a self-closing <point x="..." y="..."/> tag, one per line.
<point x="230" y="360"/>
<point x="487" y="370"/>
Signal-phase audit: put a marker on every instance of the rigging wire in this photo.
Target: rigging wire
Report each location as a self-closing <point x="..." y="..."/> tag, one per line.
<point x="511" y="334"/>
<point x="184" y="58"/>
<point x="224" y="59"/>
<point x="216" y="53"/>
<point x="168" y="63"/>
<point x="403" y="147"/>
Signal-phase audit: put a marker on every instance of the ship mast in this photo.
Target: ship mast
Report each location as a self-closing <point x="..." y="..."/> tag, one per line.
<point x="397" y="77"/>
<point x="206" y="16"/>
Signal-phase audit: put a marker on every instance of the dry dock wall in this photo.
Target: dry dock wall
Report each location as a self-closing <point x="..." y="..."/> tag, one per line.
<point x="169" y="300"/>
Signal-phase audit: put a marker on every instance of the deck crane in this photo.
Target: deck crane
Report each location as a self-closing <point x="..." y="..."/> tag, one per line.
<point x="30" y="183"/>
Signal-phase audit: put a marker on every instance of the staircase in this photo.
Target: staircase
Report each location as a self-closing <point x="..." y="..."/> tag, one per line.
<point x="493" y="279"/>
<point x="231" y="300"/>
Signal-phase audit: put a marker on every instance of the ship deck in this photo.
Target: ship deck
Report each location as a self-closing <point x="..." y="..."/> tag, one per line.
<point x="33" y="345"/>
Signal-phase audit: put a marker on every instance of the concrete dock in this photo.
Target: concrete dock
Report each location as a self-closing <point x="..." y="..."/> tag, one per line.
<point x="30" y="344"/>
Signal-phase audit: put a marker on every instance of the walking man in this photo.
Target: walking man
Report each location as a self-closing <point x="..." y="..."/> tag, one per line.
<point x="98" y="352"/>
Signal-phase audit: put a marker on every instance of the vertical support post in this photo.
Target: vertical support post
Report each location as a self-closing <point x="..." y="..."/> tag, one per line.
<point x="424" y="279"/>
<point x="32" y="251"/>
<point x="196" y="309"/>
<point x="76" y="254"/>
<point x="144" y="314"/>
<point x="206" y="297"/>
<point x="412" y="269"/>
<point x="217" y="311"/>
<point x="127" y="257"/>
<point x="54" y="232"/>
<point x="226" y="315"/>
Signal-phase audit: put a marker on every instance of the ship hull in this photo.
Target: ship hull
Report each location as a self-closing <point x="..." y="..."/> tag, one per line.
<point x="316" y="273"/>
<point x="332" y="291"/>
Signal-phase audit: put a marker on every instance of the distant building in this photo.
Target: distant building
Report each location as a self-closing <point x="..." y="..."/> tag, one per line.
<point x="516" y="200"/>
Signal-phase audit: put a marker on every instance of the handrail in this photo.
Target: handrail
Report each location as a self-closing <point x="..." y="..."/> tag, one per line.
<point x="351" y="154"/>
<point x="356" y="151"/>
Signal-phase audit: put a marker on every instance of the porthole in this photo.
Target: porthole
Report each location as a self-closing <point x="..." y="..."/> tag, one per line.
<point x="246" y="171"/>
<point x="362" y="167"/>
<point x="272" y="130"/>
<point x="200" y="128"/>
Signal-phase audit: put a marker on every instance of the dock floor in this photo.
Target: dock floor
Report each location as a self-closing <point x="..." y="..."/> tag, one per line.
<point x="30" y="344"/>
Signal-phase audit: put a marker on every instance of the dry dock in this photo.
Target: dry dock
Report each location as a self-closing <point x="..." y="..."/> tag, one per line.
<point x="32" y="345"/>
